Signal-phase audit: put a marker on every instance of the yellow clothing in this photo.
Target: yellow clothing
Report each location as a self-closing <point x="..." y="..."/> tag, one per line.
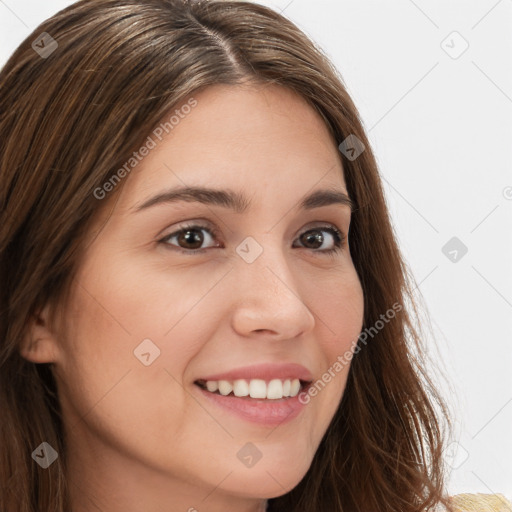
<point x="475" y="503"/>
<point x="481" y="503"/>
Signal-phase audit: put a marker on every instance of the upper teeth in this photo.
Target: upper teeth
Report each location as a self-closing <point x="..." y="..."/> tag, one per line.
<point x="256" y="388"/>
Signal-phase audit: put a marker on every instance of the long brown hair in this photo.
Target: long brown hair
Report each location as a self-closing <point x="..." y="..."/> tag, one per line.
<point x="72" y="113"/>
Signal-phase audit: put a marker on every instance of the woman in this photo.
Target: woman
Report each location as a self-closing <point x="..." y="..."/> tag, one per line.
<point x="204" y="307"/>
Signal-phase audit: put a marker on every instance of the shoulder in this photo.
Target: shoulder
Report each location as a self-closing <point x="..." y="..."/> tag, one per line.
<point x="481" y="503"/>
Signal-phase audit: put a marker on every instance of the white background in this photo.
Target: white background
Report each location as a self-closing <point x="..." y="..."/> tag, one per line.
<point x="441" y="131"/>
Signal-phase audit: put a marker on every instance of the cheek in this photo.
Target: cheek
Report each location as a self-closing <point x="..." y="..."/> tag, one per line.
<point x="339" y="312"/>
<point x="96" y="350"/>
<point x="114" y="311"/>
<point x="102" y="382"/>
<point x="338" y="305"/>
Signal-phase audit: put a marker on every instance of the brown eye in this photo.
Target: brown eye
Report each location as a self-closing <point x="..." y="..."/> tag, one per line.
<point x="314" y="239"/>
<point x="191" y="238"/>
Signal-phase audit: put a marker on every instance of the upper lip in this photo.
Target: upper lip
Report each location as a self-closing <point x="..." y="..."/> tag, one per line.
<point x="266" y="372"/>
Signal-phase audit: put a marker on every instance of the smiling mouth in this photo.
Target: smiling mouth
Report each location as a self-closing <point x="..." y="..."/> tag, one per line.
<point x="275" y="389"/>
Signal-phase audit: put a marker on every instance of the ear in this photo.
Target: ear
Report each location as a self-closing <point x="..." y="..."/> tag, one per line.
<point x="40" y="343"/>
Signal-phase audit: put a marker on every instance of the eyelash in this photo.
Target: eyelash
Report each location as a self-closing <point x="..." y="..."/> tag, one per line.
<point x="339" y="238"/>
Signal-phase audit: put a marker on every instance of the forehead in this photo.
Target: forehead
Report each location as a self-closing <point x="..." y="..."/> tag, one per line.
<point x="252" y="138"/>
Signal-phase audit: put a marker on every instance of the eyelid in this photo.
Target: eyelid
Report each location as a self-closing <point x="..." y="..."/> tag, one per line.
<point x="319" y="224"/>
<point x="194" y="223"/>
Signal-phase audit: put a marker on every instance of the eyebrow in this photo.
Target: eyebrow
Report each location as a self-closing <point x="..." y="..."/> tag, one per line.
<point x="238" y="202"/>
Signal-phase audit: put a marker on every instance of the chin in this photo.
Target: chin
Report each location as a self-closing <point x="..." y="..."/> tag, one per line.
<point x="263" y="482"/>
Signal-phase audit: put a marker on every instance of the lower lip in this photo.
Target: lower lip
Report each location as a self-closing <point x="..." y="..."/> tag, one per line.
<point x="262" y="411"/>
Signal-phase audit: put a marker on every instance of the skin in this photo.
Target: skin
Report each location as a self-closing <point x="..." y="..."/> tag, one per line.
<point x="143" y="437"/>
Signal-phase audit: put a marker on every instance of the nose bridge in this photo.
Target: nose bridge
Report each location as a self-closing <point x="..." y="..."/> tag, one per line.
<point x="268" y="295"/>
<point x="264" y="266"/>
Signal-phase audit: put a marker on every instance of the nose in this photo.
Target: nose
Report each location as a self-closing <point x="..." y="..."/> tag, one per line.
<point x="268" y="300"/>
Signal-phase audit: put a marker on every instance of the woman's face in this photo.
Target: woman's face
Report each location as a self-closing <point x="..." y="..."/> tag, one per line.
<point x="149" y="318"/>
